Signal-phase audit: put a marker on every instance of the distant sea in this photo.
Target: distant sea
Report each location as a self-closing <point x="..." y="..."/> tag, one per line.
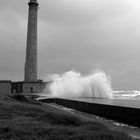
<point x="130" y="95"/>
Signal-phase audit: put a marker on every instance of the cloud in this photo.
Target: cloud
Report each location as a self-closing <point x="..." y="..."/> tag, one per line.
<point x="80" y="12"/>
<point x="74" y="34"/>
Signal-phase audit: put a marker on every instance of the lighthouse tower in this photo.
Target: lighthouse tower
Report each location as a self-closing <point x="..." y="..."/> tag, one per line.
<point x="30" y="74"/>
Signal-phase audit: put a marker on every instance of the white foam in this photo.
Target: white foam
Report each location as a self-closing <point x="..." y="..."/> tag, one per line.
<point x="73" y="84"/>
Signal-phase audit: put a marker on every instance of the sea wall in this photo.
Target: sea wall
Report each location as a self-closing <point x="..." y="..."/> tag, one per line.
<point x="126" y="115"/>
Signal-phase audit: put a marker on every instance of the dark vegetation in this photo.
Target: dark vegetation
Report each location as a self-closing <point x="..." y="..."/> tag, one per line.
<point x="24" y="119"/>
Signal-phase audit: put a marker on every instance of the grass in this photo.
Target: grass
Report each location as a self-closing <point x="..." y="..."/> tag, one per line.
<point x="23" y="119"/>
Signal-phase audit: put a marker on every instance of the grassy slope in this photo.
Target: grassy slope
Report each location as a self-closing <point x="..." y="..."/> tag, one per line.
<point x="27" y="120"/>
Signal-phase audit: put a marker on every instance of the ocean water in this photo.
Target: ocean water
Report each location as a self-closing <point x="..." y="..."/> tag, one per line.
<point x="128" y="95"/>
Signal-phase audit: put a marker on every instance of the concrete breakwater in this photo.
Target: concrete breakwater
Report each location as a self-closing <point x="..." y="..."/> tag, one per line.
<point x="121" y="114"/>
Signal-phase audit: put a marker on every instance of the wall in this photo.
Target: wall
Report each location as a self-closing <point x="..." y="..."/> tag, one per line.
<point x="33" y="87"/>
<point x="29" y="87"/>
<point x="5" y="87"/>
<point x="118" y="113"/>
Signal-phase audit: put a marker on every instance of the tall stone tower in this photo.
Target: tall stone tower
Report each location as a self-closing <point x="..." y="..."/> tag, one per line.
<point x="30" y="74"/>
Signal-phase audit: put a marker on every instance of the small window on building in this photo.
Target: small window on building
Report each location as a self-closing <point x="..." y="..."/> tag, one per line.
<point x="31" y="89"/>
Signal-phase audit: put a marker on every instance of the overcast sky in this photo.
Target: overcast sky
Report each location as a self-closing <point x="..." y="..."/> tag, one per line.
<point x="80" y="35"/>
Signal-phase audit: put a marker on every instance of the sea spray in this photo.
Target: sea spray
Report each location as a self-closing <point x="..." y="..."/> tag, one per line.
<point x="73" y="84"/>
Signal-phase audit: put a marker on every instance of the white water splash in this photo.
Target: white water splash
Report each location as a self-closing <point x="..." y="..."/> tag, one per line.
<point x="73" y="84"/>
<point x="133" y="94"/>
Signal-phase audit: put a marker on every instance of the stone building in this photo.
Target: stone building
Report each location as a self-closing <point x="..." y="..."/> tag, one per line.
<point x="5" y="86"/>
<point x="29" y="87"/>
<point x="31" y="84"/>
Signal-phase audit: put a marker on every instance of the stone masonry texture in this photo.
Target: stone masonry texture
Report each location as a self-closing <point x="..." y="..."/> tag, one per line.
<point x="31" y="49"/>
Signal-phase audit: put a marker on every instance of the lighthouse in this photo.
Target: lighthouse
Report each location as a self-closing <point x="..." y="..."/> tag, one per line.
<point x="30" y="73"/>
